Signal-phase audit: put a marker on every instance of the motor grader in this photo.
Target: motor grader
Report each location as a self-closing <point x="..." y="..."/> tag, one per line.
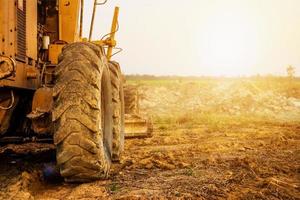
<point x="58" y="87"/>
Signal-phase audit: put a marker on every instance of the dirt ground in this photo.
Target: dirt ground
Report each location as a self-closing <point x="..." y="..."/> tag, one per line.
<point x="214" y="141"/>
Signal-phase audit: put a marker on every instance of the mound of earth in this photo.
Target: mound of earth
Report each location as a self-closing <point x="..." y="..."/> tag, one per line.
<point x="234" y="98"/>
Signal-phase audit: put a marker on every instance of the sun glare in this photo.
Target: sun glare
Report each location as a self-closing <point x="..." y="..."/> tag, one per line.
<point x="228" y="45"/>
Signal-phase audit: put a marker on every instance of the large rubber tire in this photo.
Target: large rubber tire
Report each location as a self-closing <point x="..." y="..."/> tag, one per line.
<point x="131" y="98"/>
<point x="82" y="113"/>
<point x="118" y="110"/>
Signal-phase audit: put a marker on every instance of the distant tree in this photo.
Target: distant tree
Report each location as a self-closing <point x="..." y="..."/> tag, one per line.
<point x="290" y="71"/>
<point x="290" y="88"/>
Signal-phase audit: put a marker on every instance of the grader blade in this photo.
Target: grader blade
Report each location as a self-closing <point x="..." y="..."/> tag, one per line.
<point x="137" y="127"/>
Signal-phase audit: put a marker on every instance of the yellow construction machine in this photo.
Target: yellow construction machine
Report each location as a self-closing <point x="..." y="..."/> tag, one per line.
<point x="59" y="88"/>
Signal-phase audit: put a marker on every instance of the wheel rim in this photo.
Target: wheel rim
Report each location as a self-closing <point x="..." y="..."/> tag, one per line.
<point x="105" y="119"/>
<point x="122" y="111"/>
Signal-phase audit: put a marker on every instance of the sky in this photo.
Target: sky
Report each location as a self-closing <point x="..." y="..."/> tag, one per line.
<point x="202" y="37"/>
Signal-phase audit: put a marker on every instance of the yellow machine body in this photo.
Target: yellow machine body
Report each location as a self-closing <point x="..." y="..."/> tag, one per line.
<point x="32" y="36"/>
<point x="56" y="100"/>
<point x="19" y="28"/>
<point x="18" y="43"/>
